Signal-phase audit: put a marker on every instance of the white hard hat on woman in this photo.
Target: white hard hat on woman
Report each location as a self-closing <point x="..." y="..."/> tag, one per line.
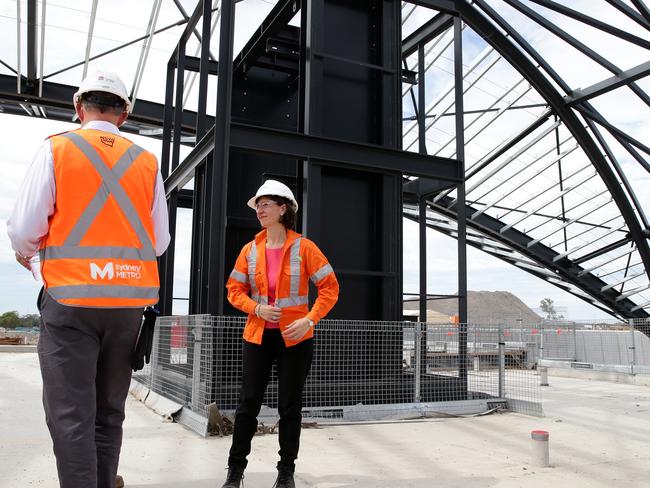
<point x="276" y="189"/>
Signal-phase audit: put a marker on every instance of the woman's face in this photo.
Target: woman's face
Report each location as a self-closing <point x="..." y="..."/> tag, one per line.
<point x="269" y="211"/>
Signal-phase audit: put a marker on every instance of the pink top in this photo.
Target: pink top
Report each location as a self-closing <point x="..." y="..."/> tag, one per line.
<point x="273" y="259"/>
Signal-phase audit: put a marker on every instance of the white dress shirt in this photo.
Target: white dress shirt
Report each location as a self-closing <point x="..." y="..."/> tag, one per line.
<point x="29" y="221"/>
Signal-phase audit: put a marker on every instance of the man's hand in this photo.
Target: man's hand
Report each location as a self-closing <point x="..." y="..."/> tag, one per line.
<point x="270" y="314"/>
<point x="297" y="329"/>
<point x="24" y="262"/>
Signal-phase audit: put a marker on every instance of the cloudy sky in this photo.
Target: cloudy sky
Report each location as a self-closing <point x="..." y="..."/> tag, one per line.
<point x="23" y="135"/>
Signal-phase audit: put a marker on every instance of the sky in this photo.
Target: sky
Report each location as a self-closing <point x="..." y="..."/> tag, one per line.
<point x="23" y="135"/>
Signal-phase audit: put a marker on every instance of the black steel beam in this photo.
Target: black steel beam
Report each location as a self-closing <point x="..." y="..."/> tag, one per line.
<point x="58" y="97"/>
<point x="426" y="33"/>
<point x="609" y="84"/>
<point x="447" y="6"/>
<point x="615" y="131"/>
<point x="314" y="148"/>
<point x="643" y="10"/>
<point x="630" y="12"/>
<point x="603" y="26"/>
<point x="192" y="63"/>
<point x="603" y="250"/>
<point x="333" y="151"/>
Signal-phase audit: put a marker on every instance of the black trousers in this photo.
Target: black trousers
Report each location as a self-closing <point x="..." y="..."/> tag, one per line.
<point x="292" y="364"/>
<point x="85" y="358"/>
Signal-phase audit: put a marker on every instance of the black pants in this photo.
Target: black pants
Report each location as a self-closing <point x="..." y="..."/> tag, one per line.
<point x="292" y="365"/>
<point x="85" y="358"/>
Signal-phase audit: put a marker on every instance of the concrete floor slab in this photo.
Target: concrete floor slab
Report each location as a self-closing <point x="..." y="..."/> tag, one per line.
<point x="599" y="437"/>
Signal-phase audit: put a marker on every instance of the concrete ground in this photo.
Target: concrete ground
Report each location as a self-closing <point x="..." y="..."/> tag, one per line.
<point x="599" y="437"/>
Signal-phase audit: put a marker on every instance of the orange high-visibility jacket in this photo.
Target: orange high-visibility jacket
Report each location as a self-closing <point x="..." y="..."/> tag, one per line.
<point x="301" y="261"/>
<point x="100" y="248"/>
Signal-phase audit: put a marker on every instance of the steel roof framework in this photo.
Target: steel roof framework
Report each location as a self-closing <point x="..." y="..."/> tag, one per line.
<point x="583" y="229"/>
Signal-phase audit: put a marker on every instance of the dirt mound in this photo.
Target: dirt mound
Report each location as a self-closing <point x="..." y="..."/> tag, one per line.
<point x="485" y="307"/>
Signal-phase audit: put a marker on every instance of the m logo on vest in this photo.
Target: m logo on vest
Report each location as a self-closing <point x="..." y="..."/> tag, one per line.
<point x="100" y="273"/>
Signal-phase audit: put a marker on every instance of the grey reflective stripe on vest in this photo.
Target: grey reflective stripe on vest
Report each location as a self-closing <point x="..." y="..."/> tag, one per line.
<point x="293" y="301"/>
<point x="110" y="186"/>
<point x="95" y="252"/>
<point x="241" y="277"/>
<point x="294" y="266"/>
<point x="321" y="273"/>
<point x="252" y="268"/>
<point x="264" y="300"/>
<point x="102" y="291"/>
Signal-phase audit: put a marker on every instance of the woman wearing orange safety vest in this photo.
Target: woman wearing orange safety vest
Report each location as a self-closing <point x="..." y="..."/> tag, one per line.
<point x="270" y="282"/>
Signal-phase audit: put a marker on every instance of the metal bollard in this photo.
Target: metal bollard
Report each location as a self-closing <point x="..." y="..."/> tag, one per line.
<point x="543" y="376"/>
<point x="539" y="448"/>
<point x="477" y="363"/>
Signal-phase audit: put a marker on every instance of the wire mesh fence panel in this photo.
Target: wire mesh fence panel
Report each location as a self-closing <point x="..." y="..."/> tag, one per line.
<point x="610" y="345"/>
<point x="361" y="370"/>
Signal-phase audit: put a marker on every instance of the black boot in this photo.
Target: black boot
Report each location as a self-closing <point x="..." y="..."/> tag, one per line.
<point x="234" y="477"/>
<point x="284" y="479"/>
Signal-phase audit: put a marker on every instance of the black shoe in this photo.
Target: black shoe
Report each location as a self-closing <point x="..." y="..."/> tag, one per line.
<point x="234" y="477"/>
<point x="284" y="479"/>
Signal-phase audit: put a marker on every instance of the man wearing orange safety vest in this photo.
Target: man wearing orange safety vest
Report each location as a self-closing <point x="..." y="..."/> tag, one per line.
<point x="93" y="209"/>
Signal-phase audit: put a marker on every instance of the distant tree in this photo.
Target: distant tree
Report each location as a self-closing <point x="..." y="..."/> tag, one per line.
<point x="30" y="320"/>
<point x="10" y="320"/>
<point x="547" y="306"/>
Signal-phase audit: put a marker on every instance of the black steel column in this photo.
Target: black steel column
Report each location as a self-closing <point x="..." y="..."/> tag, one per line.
<point x="421" y="113"/>
<point x="421" y="101"/>
<point x="178" y="105"/>
<point x="462" y="217"/>
<point x="31" y="45"/>
<point x="214" y="282"/>
<point x="204" y="70"/>
<point x="166" y="263"/>
<point x="167" y="119"/>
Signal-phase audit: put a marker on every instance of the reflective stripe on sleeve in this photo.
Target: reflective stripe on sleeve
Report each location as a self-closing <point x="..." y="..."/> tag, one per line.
<point x="321" y="273"/>
<point x="241" y="277"/>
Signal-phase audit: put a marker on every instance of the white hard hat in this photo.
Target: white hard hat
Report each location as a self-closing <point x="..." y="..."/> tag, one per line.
<point x="103" y="81"/>
<point x="276" y="189"/>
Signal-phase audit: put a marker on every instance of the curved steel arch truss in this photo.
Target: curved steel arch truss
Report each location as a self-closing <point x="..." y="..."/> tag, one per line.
<point x="585" y="230"/>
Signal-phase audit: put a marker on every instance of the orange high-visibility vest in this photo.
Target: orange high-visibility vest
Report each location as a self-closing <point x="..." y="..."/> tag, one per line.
<point x="301" y="262"/>
<point x="100" y="248"/>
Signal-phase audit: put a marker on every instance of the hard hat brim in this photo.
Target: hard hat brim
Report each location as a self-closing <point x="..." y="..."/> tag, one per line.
<point x="253" y="200"/>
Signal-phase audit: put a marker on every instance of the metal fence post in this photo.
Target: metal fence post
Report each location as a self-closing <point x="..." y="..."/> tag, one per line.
<point x="418" y="360"/>
<point x="196" y="369"/>
<point x="502" y="363"/>
<point x="155" y="353"/>
<point x="633" y="347"/>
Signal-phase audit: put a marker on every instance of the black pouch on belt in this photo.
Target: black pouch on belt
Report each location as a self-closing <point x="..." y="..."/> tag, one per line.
<point x="142" y="351"/>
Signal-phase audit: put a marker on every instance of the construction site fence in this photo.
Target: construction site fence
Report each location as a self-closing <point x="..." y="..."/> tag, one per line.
<point x="361" y="370"/>
<point x="610" y="346"/>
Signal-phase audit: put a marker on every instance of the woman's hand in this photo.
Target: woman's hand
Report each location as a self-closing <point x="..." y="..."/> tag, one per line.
<point x="270" y="314"/>
<point x="297" y="329"/>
